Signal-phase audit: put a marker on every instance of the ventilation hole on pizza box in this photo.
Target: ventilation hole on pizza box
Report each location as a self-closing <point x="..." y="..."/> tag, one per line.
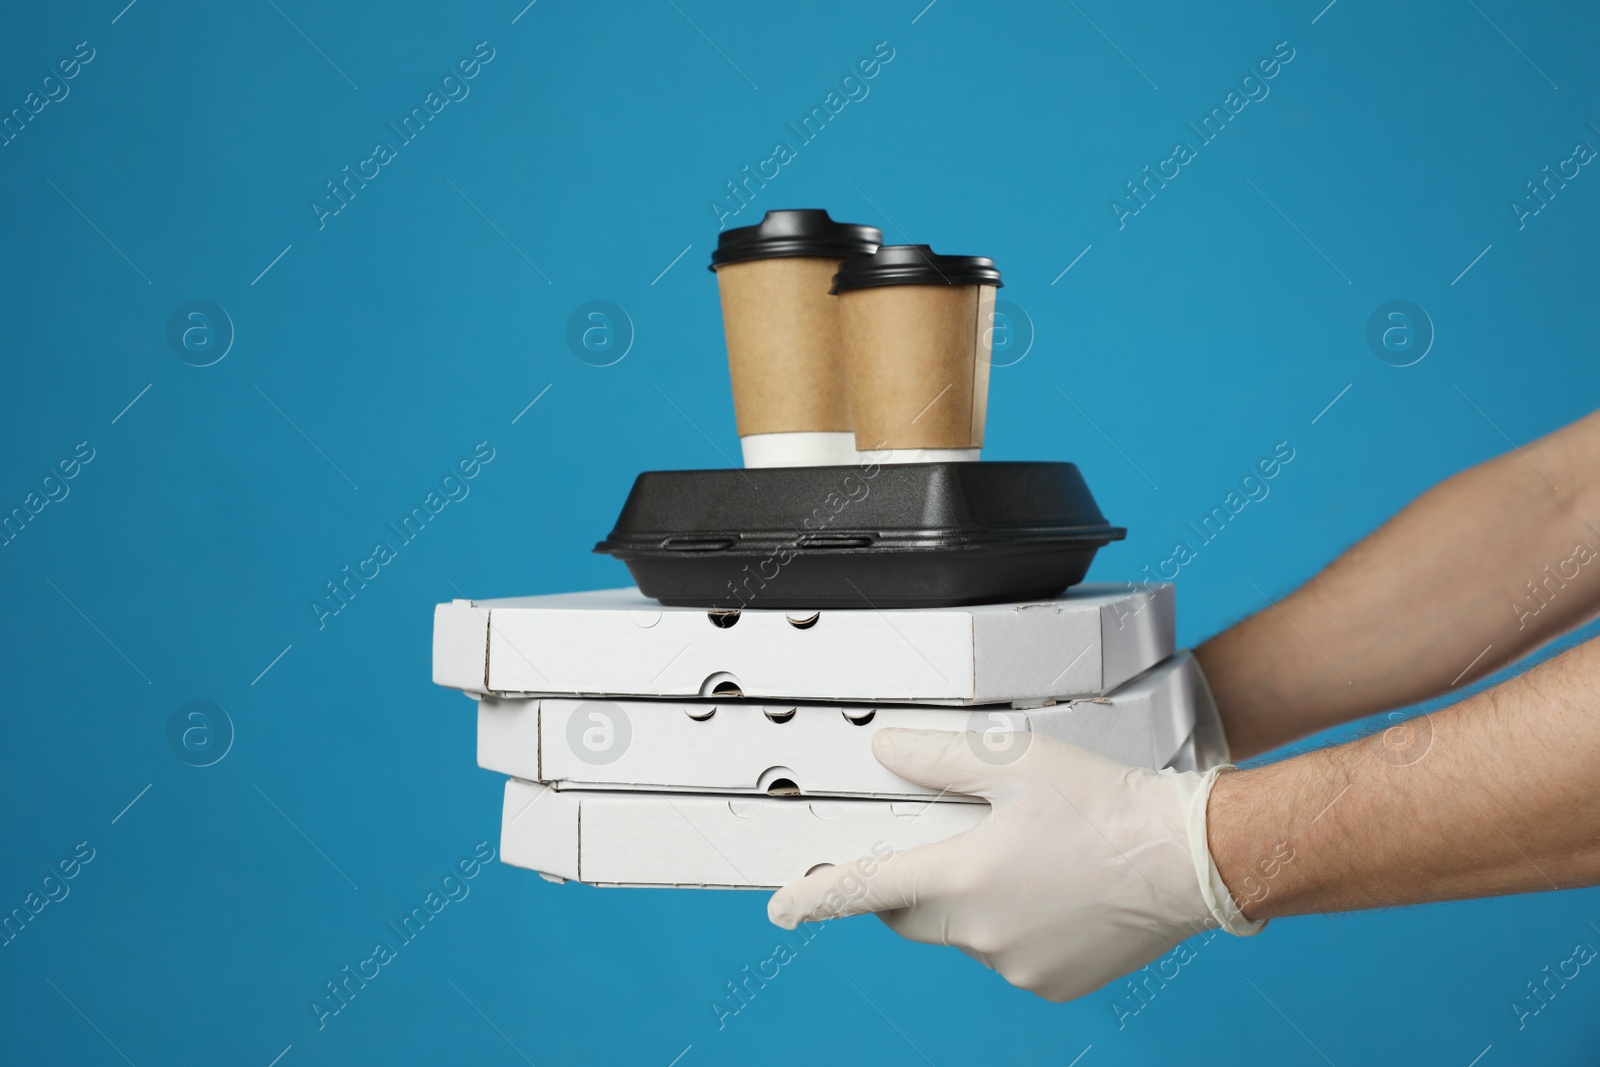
<point x="778" y="782"/>
<point x="804" y="622"/>
<point x="722" y="618"/>
<point x="860" y="717"/>
<point x="721" y="684"/>
<point x="779" y="715"/>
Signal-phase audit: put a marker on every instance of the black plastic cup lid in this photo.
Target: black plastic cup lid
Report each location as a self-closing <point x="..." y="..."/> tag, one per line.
<point x="802" y="232"/>
<point x="913" y="265"/>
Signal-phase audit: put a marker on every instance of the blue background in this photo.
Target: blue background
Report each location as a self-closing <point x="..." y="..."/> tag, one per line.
<point x="378" y="349"/>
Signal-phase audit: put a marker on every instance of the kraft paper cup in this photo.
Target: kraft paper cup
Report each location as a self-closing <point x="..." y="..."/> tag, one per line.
<point x="790" y="396"/>
<point x="915" y="329"/>
<point x="800" y="448"/>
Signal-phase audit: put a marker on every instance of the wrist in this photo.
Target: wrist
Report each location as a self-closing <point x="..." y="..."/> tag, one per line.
<point x="1220" y="900"/>
<point x="1253" y="859"/>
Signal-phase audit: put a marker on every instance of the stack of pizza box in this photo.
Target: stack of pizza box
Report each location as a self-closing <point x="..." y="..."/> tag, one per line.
<point x="647" y="745"/>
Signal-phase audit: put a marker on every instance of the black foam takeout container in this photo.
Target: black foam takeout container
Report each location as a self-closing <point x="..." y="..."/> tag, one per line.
<point x="874" y="536"/>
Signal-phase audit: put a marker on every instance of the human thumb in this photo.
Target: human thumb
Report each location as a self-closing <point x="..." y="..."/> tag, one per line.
<point x="942" y="759"/>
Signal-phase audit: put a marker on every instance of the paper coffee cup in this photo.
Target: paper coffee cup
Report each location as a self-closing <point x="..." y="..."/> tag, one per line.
<point x="915" y="328"/>
<point x="782" y="329"/>
<point x="798" y="449"/>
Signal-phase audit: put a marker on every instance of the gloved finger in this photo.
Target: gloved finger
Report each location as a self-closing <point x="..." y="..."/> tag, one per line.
<point x="899" y="880"/>
<point x="942" y="759"/>
<point x="928" y="926"/>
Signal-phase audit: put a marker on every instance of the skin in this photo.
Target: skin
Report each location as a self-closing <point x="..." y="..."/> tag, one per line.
<point x="1494" y="795"/>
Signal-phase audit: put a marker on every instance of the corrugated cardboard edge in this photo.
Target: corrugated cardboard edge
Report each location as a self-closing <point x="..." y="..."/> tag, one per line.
<point x="1120" y="660"/>
<point x="972" y="656"/>
<point x="548" y="843"/>
<point x="1143" y="723"/>
<point x="509" y="741"/>
<point x="488" y="626"/>
<point x="1210" y="739"/>
<point x="554" y="845"/>
<point x="1167" y="695"/>
<point x="538" y="738"/>
<point x="1151" y="642"/>
<point x="461" y="646"/>
<point x="931" y="684"/>
<point x="1173" y="707"/>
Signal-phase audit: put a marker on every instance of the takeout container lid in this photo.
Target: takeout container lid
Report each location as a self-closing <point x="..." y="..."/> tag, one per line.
<point x="901" y="535"/>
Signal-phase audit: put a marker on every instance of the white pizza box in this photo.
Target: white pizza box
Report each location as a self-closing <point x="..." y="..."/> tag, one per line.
<point x="812" y="749"/>
<point x="617" y="642"/>
<point x="711" y="842"/>
<point x="1208" y="745"/>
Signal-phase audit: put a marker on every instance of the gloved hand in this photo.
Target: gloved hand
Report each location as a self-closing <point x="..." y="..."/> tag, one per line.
<point x="1084" y="870"/>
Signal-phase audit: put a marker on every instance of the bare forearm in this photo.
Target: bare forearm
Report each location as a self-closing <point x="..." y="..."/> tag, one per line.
<point x="1495" y="795"/>
<point x="1429" y="600"/>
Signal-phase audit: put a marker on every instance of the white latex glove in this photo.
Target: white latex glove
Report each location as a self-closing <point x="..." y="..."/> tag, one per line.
<point x="1084" y="870"/>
